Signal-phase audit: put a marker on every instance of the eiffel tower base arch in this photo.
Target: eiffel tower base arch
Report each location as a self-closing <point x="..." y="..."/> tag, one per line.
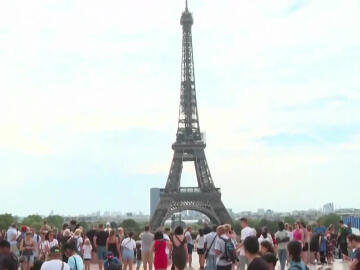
<point x="208" y="203"/>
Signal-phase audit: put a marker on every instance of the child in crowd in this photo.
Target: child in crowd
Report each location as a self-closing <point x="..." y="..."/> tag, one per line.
<point x="86" y="249"/>
<point x="138" y="256"/>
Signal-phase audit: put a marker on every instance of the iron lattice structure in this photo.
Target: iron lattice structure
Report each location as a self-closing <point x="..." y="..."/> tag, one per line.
<point x="189" y="147"/>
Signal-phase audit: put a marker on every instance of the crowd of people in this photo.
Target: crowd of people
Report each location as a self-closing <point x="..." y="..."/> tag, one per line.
<point x="218" y="248"/>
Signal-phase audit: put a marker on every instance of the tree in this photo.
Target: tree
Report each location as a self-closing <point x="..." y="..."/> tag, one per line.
<point x="55" y="221"/>
<point x="6" y="220"/>
<point x="330" y="219"/>
<point x="130" y="224"/>
<point x="33" y="221"/>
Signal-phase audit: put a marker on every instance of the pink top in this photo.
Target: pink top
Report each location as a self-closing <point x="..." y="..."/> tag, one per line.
<point x="297" y="235"/>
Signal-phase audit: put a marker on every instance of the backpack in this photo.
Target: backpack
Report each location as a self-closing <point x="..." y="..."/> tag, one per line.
<point x="230" y="251"/>
<point x="111" y="265"/>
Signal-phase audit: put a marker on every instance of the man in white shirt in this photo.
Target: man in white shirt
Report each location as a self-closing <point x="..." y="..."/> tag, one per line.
<point x="190" y="244"/>
<point x="12" y="234"/>
<point x="246" y="231"/>
<point x="221" y="262"/>
<point x="55" y="262"/>
<point x="209" y="247"/>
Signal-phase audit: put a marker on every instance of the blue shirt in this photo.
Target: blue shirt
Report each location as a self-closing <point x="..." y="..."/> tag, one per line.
<point x="114" y="260"/>
<point x="297" y="265"/>
<point x="320" y="230"/>
<point x="75" y="262"/>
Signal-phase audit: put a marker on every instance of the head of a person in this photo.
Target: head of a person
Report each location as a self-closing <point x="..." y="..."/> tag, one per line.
<point x="50" y="236"/>
<point x="107" y="225"/>
<point x="281" y="226"/>
<point x="112" y="233"/>
<point x="67" y="233"/>
<point x="243" y="222"/>
<point x="297" y="225"/>
<point x="266" y="247"/>
<point x="121" y="231"/>
<point x="251" y="246"/>
<point x="220" y="230"/>
<point x="37" y="265"/>
<point x="290" y="228"/>
<point x="77" y="232"/>
<point x="331" y="228"/>
<point x="308" y="228"/>
<point x="179" y="230"/>
<point x="69" y="249"/>
<point x="158" y="235"/>
<point x="55" y="253"/>
<point x="87" y="242"/>
<point x="167" y="230"/>
<point x="319" y="223"/>
<point x="189" y="229"/>
<point x="271" y="260"/>
<point x="24" y="229"/>
<point x="353" y="241"/>
<point x="8" y="263"/>
<point x="201" y="232"/>
<point x="294" y="251"/>
<point x="287" y="226"/>
<point x="28" y="235"/>
<point x="110" y="256"/>
<point x="341" y="223"/>
<point x="65" y="226"/>
<point x="264" y="232"/>
<point x="146" y="228"/>
<point x="95" y="227"/>
<point x="131" y="234"/>
<point x="4" y="247"/>
<point x="101" y="227"/>
<point x="227" y="228"/>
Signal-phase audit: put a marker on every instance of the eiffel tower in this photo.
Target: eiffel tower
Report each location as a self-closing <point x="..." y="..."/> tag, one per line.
<point x="189" y="146"/>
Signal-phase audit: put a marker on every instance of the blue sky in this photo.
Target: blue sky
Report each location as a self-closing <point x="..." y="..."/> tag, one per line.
<point x="90" y="94"/>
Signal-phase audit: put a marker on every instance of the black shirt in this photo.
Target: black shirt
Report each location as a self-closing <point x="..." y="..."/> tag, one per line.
<point x="258" y="264"/>
<point x="101" y="237"/>
<point x="90" y="234"/>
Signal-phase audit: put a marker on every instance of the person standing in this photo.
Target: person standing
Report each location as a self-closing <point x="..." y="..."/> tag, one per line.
<point x="246" y="231"/>
<point x="55" y="261"/>
<point x="354" y="243"/>
<point x="159" y="249"/>
<point x="209" y="247"/>
<point x="179" y="251"/>
<point x="8" y="260"/>
<point x="86" y="252"/>
<point x="294" y="250"/>
<point x="190" y="244"/>
<point x="74" y="260"/>
<point x="147" y="239"/>
<point x="113" y="245"/>
<point x="11" y="236"/>
<point x="27" y="247"/>
<point x="282" y="238"/>
<point x="331" y="238"/>
<point x="220" y="249"/>
<point x="251" y="246"/>
<point x="200" y="242"/>
<point x="100" y="245"/>
<point x="342" y="236"/>
<point x="167" y="238"/>
<point x="265" y="236"/>
<point x="128" y="249"/>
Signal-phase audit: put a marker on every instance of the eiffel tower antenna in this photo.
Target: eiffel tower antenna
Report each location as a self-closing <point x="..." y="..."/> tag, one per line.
<point x="189" y="147"/>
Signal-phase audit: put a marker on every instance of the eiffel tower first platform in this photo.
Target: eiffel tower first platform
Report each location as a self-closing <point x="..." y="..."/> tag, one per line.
<point x="189" y="147"/>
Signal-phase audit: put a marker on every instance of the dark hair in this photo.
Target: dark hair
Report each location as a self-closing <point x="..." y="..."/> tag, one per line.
<point x="294" y="248"/>
<point x="341" y="221"/>
<point x="4" y="244"/>
<point x="158" y="235"/>
<point x="37" y="265"/>
<point x="167" y="229"/>
<point x="69" y="245"/>
<point x="179" y="230"/>
<point x="65" y="226"/>
<point x="270" y="258"/>
<point x="281" y="226"/>
<point x="353" y="237"/>
<point x="101" y="226"/>
<point x="243" y="219"/>
<point x="201" y="232"/>
<point x="268" y="246"/>
<point x="265" y="232"/>
<point x="251" y="245"/>
<point x="131" y="234"/>
<point x="146" y="228"/>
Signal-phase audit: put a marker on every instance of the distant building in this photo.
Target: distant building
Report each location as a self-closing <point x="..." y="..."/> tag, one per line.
<point x="154" y="199"/>
<point x="328" y="208"/>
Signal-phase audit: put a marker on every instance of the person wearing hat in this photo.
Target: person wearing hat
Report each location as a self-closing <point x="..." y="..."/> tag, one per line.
<point x="111" y="262"/>
<point x="74" y="260"/>
<point x="55" y="262"/>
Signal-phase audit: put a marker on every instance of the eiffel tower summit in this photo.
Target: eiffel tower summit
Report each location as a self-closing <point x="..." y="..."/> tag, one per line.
<point x="189" y="147"/>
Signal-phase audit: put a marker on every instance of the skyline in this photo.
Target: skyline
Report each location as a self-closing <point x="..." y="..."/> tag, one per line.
<point x="84" y="89"/>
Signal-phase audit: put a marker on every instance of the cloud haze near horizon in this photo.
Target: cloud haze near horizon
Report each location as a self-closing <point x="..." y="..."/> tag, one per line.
<point x="90" y="95"/>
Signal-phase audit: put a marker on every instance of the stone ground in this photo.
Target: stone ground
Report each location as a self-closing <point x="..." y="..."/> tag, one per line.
<point x="336" y="266"/>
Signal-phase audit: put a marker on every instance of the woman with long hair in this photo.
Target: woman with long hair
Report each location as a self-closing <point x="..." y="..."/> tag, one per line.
<point x="27" y="247"/>
<point x="113" y="245"/>
<point x="200" y="242"/>
<point x="159" y="250"/>
<point x="128" y="249"/>
<point x="331" y="238"/>
<point x="180" y="251"/>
